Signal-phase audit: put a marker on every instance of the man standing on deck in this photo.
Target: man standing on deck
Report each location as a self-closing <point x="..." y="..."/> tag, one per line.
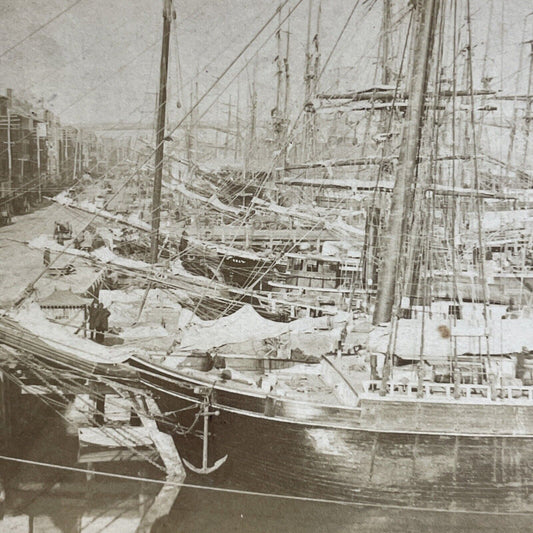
<point x="92" y="319"/>
<point x="101" y="322"/>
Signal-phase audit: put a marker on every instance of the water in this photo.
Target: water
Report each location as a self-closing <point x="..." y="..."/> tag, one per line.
<point x="46" y="500"/>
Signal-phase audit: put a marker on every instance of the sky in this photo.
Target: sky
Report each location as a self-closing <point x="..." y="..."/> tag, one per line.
<point x="99" y="61"/>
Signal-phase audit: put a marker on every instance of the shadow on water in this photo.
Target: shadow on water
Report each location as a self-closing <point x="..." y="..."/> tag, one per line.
<point x="48" y="500"/>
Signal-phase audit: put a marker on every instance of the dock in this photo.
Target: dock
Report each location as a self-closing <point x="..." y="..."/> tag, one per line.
<point x="106" y="443"/>
<point x="147" y="409"/>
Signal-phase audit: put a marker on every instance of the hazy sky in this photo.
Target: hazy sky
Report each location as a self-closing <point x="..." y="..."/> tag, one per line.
<point x="99" y="61"/>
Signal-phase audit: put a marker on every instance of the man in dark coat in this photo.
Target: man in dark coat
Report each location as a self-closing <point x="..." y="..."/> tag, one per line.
<point x="101" y="323"/>
<point x="92" y="318"/>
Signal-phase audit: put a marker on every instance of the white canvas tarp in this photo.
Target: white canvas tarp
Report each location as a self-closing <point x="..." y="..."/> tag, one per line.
<point x="57" y="336"/>
<point x="504" y="337"/>
<point x="314" y="336"/>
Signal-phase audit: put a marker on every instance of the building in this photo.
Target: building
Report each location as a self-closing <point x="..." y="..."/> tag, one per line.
<point x="38" y="156"/>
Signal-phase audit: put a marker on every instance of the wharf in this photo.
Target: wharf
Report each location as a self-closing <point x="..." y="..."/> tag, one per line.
<point x="20" y="265"/>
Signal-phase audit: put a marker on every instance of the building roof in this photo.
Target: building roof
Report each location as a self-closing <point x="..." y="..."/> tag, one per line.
<point x="64" y="298"/>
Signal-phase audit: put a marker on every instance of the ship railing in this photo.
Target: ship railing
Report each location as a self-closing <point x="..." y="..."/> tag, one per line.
<point x="448" y="390"/>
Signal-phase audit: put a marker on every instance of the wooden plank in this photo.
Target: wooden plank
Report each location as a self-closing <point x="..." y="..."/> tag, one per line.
<point x="166" y="497"/>
<point x="146" y="409"/>
<point x="119" y="437"/>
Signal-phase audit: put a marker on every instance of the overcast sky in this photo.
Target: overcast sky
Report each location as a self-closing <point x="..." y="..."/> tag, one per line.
<point x="99" y="61"/>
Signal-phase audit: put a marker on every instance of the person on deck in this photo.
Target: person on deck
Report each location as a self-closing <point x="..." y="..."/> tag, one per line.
<point x="101" y="323"/>
<point x="92" y="319"/>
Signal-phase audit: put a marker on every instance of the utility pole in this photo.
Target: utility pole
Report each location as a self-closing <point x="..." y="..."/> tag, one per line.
<point x="407" y="164"/>
<point x="9" y="160"/>
<point x="38" y="143"/>
<point x="160" y="132"/>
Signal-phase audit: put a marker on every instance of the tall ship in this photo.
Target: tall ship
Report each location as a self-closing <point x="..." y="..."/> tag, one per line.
<point x="447" y="382"/>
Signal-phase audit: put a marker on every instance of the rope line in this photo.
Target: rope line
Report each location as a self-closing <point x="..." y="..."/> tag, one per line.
<point x="243" y="492"/>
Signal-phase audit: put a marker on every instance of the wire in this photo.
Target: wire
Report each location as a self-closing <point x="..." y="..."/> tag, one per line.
<point x="47" y="23"/>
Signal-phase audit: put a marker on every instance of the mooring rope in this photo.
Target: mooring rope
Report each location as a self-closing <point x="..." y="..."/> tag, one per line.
<point x="263" y="494"/>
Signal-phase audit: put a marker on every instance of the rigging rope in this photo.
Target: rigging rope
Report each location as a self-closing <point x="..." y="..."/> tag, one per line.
<point x="38" y="29"/>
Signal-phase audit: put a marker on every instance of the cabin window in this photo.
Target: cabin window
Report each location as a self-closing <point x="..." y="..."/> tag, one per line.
<point x="455" y="310"/>
<point x="330" y="267"/>
<point x="297" y="264"/>
<point x="312" y="266"/>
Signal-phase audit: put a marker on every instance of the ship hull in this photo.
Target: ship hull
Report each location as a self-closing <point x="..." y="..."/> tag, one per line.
<point x="322" y="457"/>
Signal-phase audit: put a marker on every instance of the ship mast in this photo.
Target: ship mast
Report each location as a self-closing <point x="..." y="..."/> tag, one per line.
<point x="308" y="78"/>
<point x="386" y="29"/>
<point x="407" y="164"/>
<point x="160" y="132"/>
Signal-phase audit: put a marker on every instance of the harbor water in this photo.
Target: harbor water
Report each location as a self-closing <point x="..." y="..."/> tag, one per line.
<point x="54" y="499"/>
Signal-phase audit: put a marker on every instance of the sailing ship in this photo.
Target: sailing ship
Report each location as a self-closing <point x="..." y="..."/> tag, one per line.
<point x="446" y="415"/>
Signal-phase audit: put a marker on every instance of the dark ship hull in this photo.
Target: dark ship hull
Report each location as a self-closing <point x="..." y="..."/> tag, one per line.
<point x="302" y="450"/>
<point x="236" y="270"/>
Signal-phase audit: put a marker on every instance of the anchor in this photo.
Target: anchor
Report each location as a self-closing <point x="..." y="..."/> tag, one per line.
<point x="205" y="437"/>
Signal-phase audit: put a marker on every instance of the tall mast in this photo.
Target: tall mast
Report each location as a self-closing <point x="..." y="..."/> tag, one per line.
<point x="528" y="105"/>
<point x="253" y="114"/>
<point x="285" y="113"/>
<point x="407" y="164"/>
<point x="279" y="113"/>
<point x="386" y="29"/>
<point x="237" y="144"/>
<point x="160" y="132"/>
<point x="512" y="133"/>
<point x="308" y="78"/>
<point x="279" y="64"/>
<point x="287" y="75"/>
<point x="228" y="127"/>
<point x="316" y="41"/>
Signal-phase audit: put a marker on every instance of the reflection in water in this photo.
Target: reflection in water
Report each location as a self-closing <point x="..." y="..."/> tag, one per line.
<point x="48" y="500"/>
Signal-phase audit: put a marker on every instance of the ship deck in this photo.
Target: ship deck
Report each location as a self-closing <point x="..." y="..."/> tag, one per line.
<point x="302" y="382"/>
